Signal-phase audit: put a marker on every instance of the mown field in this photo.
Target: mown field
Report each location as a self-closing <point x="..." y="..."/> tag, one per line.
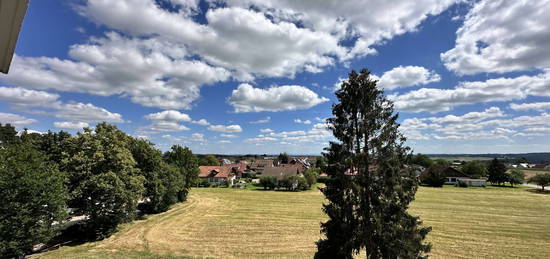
<point x="228" y="223"/>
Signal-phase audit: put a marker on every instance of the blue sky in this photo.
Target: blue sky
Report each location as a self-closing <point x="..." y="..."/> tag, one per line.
<point x="257" y="76"/>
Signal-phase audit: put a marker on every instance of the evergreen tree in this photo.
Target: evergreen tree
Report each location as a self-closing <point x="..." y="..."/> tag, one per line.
<point x="497" y="172"/>
<point x="33" y="197"/>
<point x="283" y="158"/>
<point x="474" y="169"/>
<point x="371" y="187"/>
<point x="187" y="164"/>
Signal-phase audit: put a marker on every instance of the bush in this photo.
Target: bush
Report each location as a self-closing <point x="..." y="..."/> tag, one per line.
<point x="311" y="176"/>
<point x="268" y="182"/>
<point x="203" y="183"/>
<point x="434" y="175"/>
<point x="462" y="184"/>
<point x="323" y="179"/>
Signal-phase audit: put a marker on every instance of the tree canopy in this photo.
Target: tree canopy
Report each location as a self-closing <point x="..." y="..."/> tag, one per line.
<point x="497" y="172"/>
<point x="371" y="188"/>
<point x="541" y="179"/>
<point x="209" y="160"/>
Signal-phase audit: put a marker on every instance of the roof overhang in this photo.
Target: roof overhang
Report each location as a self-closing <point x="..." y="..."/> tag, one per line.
<point x="12" y="13"/>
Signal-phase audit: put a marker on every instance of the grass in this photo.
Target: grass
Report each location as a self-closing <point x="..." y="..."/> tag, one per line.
<point x="462" y="158"/>
<point x="470" y="222"/>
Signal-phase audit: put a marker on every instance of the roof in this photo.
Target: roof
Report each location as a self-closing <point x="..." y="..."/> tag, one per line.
<point x="238" y="167"/>
<point x="301" y="168"/>
<point x="262" y="163"/>
<point x="214" y="171"/>
<point x="280" y="172"/>
<point x="11" y="18"/>
<point x="452" y="172"/>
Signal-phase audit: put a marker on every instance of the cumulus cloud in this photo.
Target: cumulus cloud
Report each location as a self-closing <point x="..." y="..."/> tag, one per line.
<point x="538" y="106"/>
<point x="70" y="125"/>
<point x="407" y="76"/>
<point x="318" y="133"/>
<point x="223" y="128"/>
<point x="223" y="135"/>
<point x="86" y="112"/>
<point x="202" y="122"/>
<point x="21" y="96"/>
<point x="502" y="36"/>
<point x="199" y="137"/>
<point x="169" y="115"/>
<point x="15" y="119"/>
<point x="246" y="98"/>
<point x="488" y="124"/>
<point x="492" y="90"/>
<point x="302" y="121"/>
<point x="266" y="130"/>
<point x="151" y="72"/>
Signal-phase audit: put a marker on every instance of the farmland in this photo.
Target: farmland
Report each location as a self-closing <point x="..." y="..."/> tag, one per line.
<point x="228" y="223"/>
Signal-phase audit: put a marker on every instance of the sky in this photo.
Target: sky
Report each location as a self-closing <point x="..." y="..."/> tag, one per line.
<point x="258" y="76"/>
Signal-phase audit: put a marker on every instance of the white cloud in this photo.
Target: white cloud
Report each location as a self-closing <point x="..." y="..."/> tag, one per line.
<point x="151" y="72"/>
<point x="70" y="125"/>
<point x="20" y="96"/>
<point x="169" y="115"/>
<point x="266" y="130"/>
<point x="266" y="120"/>
<point x="318" y="133"/>
<point x="15" y="119"/>
<point x="492" y="90"/>
<point x="202" y="122"/>
<point x="281" y="98"/>
<point x="223" y="128"/>
<point x="199" y="137"/>
<point x="502" y="36"/>
<point x="407" y="76"/>
<point x="539" y="106"/>
<point x="224" y="142"/>
<point x="301" y="121"/>
<point x="223" y="135"/>
<point x="86" y="112"/>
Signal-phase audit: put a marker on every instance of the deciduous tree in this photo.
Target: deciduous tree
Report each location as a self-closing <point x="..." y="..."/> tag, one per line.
<point x="187" y="164"/>
<point x="541" y="179"/>
<point x="497" y="172"/>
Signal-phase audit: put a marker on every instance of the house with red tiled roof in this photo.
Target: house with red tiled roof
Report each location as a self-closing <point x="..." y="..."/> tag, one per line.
<point x="217" y="174"/>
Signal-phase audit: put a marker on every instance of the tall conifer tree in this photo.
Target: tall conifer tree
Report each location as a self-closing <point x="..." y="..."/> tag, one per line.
<point x="371" y="187"/>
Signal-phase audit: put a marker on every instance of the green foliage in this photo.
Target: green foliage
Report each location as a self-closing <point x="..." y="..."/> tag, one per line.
<point x="268" y="182"/>
<point x="321" y="163"/>
<point x="516" y="177"/>
<point x="188" y="166"/>
<point x="540" y="179"/>
<point x="368" y="209"/>
<point x="209" y="160"/>
<point x="33" y="197"/>
<point x="311" y="175"/>
<point x="434" y="176"/>
<point x="462" y="184"/>
<point x="104" y="181"/>
<point x="497" y="172"/>
<point x="421" y="159"/>
<point x="283" y="158"/>
<point x="8" y="135"/>
<point x="474" y="169"/>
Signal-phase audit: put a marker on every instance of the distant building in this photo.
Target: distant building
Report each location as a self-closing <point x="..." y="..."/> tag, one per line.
<point x="453" y="175"/>
<point x="281" y="172"/>
<point x="217" y="174"/>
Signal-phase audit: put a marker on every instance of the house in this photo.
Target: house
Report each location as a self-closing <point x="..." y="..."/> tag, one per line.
<point x="281" y="172"/>
<point x="301" y="167"/>
<point x="217" y="174"/>
<point x="473" y="182"/>
<point x="538" y="166"/>
<point x="238" y="168"/>
<point x="259" y="165"/>
<point x="453" y="175"/>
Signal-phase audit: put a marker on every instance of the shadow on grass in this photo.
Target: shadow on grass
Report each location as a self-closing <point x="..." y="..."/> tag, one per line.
<point x="539" y="191"/>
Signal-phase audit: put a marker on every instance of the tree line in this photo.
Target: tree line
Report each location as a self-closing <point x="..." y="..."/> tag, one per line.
<point x="102" y="174"/>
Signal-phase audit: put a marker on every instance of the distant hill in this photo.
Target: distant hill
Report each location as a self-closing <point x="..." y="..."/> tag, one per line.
<point x="536" y="158"/>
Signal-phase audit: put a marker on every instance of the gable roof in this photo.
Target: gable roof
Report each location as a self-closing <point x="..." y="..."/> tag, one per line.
<point x="214" y="171"/>
<point x="280" y="172"/>
<point x="262" y="163"/>
<point x="453" y="172"/>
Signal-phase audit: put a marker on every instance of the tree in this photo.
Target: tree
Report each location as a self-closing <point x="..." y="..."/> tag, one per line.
<point x="421" y="159"/>
<point x="209" y="160"/>
<point x="188" y="166"/>
<point x="283" y="158"/>
<point x="497" y="172"/>
<point x="104" y="184"/>
<point x="33" y="198"/>
<point x="371" y="187"/>
<point x="8" y="135"/>
<point x="321" y="163"/>
<point x="474" y="169"/>
<point x="162" y="181"/>
<point x="310" y="175"/>
<point x="516" y="177"/>
<point x="434" y="176"/>
<point x="540" y="179"/>
<point x="268" y="182"/>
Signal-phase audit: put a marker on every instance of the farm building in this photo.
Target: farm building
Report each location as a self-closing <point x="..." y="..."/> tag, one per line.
<point x="453" y="175"/>
<point x="474" y="182"/>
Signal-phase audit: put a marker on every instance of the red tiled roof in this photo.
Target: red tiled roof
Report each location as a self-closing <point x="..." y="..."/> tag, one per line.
<point x="214" y="171"/>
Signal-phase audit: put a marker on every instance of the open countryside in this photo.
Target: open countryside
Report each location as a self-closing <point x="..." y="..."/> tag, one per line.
<point x="487" y="222"/>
